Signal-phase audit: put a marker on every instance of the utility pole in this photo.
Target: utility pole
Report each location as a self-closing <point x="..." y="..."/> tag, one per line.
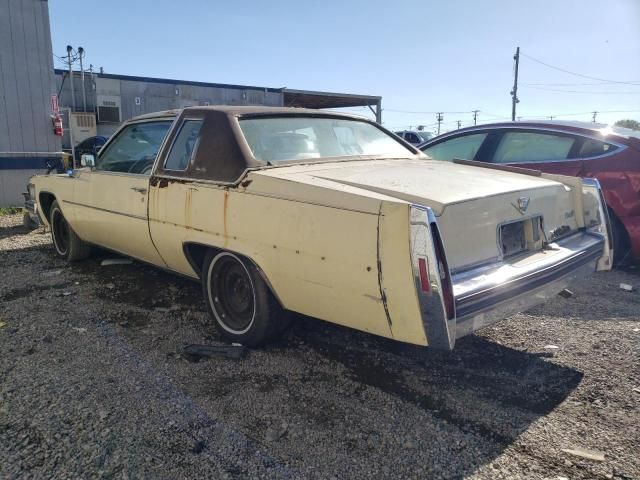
<point x="73" y="94"/>
<point x="514" y="92"/>
<point x="594" y="116"/>
<point x="459" y="122"/>
<point x="475" y="116"/>
<point x="439" y="119"/>
<point x="84" y="94"/>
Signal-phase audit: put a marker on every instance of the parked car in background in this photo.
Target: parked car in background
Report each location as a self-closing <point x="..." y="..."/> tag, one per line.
<point x="414" y="137"/>
<point x="91" y="145"/>
<point x="328" y="215"/>
<point x="609" y="154"/>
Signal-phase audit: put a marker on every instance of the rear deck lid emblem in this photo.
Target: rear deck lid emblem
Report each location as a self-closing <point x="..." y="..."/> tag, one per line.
<point x="523" y="204"/>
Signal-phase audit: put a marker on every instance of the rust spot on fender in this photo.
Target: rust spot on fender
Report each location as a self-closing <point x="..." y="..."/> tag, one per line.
<point x="164" y="182"/>
<point x="187" y="207"/>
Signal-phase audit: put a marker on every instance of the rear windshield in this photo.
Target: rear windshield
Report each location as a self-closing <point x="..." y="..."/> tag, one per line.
<point x="277" y="139"/>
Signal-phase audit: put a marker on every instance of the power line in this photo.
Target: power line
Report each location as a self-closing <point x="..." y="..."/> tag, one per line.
<point x="581" y="91"/>
<point x="571" y="84"/>
<point x="633" y="82"/>
<point x="413" y="111"/>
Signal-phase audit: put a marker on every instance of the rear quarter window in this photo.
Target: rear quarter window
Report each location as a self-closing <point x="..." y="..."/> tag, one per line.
<point x="594" y="148"/>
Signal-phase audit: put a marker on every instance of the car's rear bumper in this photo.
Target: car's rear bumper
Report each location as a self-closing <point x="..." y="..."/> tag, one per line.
<point x="492" y="292"/>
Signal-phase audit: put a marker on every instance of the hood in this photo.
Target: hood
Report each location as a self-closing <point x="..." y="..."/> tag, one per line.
<point x="428" y="182"/>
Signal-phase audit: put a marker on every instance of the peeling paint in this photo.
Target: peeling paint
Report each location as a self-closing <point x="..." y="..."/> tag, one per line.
<point x="372" y="297"/>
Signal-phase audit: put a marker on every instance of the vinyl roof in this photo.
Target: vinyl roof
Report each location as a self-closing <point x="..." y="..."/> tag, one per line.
<point x="248" y="110"/>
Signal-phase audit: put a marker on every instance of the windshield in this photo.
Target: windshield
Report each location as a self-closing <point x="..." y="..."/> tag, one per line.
<point x="277" y="139"/>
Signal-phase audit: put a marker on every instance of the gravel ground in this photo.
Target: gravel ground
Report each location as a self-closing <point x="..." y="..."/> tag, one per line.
<point x="92" y="384"/>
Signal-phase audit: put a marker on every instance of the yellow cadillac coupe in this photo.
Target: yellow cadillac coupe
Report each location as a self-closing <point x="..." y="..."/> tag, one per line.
<point x="328" y="215"/>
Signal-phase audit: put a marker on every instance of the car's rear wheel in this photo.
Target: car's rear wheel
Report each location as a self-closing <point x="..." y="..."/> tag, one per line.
<point x="65" y="241"/>
<point x="239" y="301"/>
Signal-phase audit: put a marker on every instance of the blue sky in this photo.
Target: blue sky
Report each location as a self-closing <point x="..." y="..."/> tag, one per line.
<point x="420" y="56"/>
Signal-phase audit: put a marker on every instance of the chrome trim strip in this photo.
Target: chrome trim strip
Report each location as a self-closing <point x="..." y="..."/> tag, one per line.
<point x="483" y="288"/>
<point x="440" y="332"/>
<point x="605" y="262"/>
<point x="106" y="210"/>
<point x="171" y="118"/>
<point x="173" y="142"/>
<point x="523" y="302"/>
<point x="117" y="174"/>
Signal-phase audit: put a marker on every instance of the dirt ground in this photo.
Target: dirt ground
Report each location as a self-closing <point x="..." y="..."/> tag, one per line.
<point x="93" y="385"/>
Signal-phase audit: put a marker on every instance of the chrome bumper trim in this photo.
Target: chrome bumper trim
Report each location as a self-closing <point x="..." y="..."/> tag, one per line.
<point x="487" y="294"/>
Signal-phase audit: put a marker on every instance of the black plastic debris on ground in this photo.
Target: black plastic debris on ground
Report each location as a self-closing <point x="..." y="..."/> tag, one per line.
<point x="195" y="353"/>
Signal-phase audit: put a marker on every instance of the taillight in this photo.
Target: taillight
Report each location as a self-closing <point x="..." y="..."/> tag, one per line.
<point x="424" y="275"/>
<point x="443" y="269"/>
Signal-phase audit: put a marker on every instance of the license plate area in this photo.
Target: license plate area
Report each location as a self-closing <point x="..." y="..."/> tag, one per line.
<point x="520" y="236"/>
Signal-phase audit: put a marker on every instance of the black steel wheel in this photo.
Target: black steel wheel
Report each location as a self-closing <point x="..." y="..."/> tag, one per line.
<point x="242" y="306"/>
<point x="65" y="241"/>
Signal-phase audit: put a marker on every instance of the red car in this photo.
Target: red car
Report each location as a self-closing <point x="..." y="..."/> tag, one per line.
<point x="609" y="154"/>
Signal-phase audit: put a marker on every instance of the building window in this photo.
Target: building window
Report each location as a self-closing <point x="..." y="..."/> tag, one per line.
<point x="108" y="114"/>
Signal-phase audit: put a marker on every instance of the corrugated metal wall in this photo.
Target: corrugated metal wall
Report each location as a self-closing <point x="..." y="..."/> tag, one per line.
<point x="139" y="96"/>
<point x="26" y="86"/>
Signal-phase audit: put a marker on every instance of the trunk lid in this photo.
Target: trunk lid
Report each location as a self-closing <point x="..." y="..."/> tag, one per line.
<point x="472" y="203"/>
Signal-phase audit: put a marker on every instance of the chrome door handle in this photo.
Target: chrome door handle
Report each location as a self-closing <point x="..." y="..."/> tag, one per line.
<point x="139" y="190"/>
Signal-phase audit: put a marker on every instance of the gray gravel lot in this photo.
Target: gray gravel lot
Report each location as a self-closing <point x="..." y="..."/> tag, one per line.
<point x="92" y="384"/>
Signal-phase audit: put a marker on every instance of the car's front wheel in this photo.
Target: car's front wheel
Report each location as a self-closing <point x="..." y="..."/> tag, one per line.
<point x="239" y="301"/>
<point x="65" y="241"/>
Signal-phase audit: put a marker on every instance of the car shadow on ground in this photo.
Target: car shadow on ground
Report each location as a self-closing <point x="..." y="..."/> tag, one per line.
<point x="12" y="231"/>
<point x="481" y="389"/>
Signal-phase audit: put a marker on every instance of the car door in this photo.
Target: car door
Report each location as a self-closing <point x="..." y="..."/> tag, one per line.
<point x="110" y="200"/>
<point x="551" y="151"/>
<point x="176" y="202"/>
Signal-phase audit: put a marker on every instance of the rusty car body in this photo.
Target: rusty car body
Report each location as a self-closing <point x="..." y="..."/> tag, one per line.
<point x="328" y="215"/>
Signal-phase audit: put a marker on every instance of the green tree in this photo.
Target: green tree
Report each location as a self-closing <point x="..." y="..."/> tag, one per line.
<point x="632" y="124"/>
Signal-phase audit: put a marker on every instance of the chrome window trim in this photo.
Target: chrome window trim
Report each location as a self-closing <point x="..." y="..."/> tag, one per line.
<point x="105" y="146"/>
<point x="620" y="146"/>
<point x="173" y="142"/>
<point x="118" y="174"/>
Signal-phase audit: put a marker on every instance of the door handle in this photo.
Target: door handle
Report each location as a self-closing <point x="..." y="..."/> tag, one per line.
<point x="141" y="190"/>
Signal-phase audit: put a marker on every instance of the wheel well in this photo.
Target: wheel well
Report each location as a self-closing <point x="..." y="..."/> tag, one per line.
<point x="45" y="199"/>
<point x="196" y="253"/>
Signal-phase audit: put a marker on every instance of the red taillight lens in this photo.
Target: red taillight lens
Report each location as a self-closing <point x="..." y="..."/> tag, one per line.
<point x="424" y="275"/>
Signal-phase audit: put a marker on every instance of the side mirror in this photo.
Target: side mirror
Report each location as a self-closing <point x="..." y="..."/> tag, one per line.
<point x="87" y="160"/>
